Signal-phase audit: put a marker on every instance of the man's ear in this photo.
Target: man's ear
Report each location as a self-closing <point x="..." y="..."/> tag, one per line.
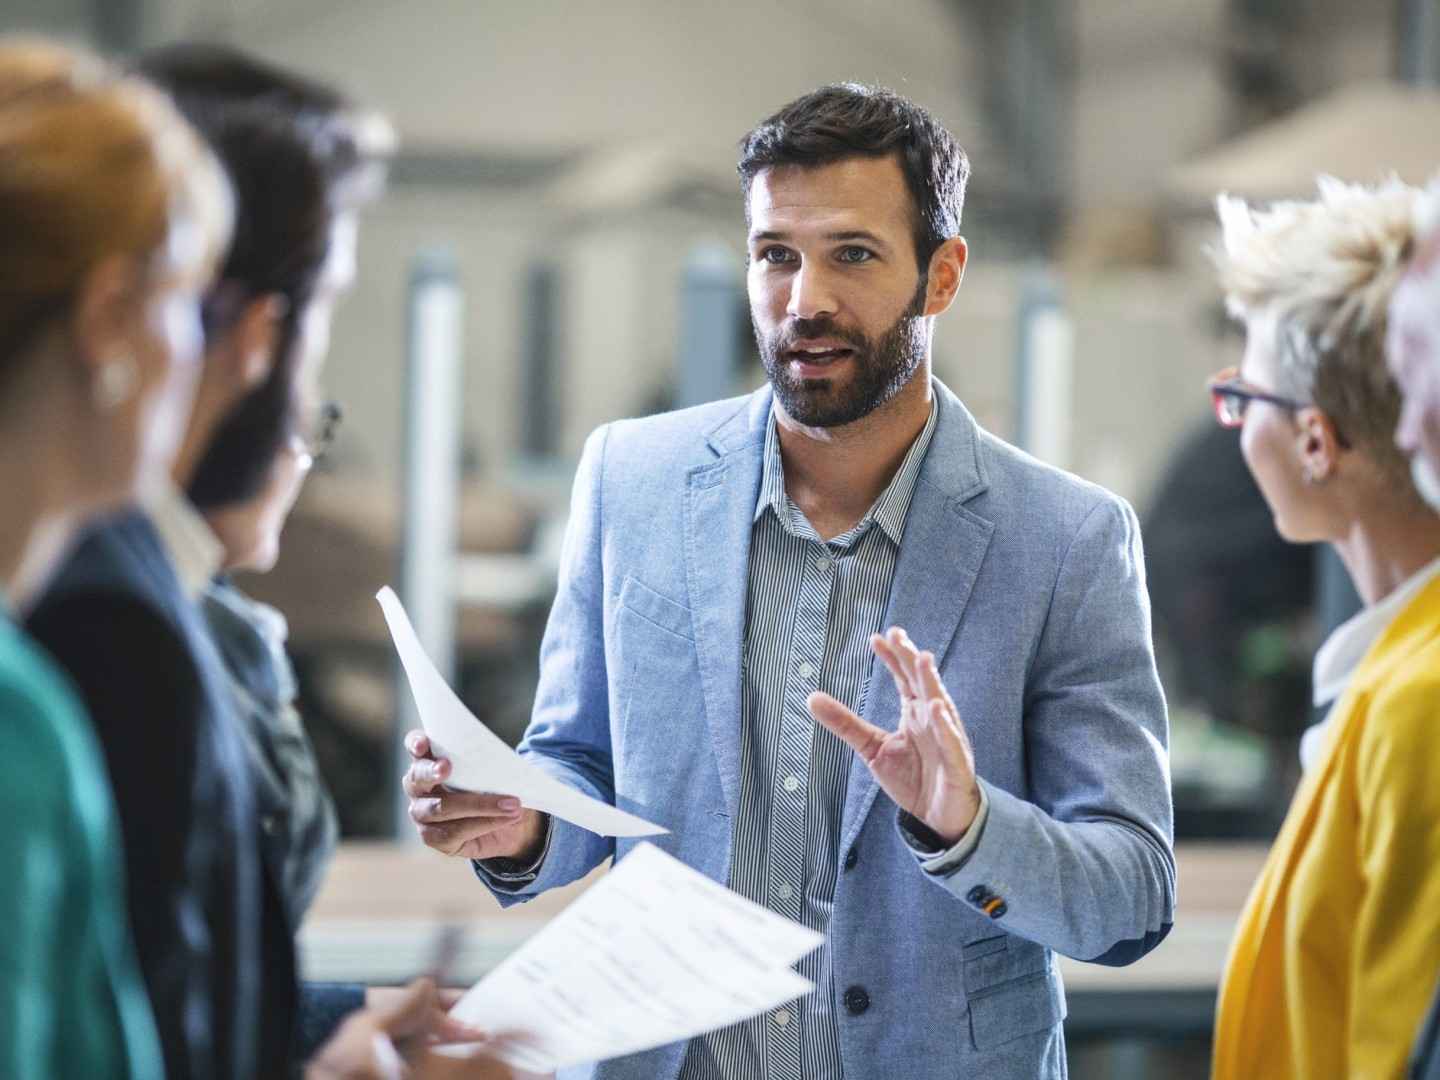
<point x="102" y="320"/>
<point x="1317" y="444"/>
<point x="254" y="337"/>
<point x="947" y="269"/>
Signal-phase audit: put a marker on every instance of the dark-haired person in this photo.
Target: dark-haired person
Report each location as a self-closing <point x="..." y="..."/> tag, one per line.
<point x="726" y="575"/>
<point x="114" y="216"/>
<point x="213" y="925"/>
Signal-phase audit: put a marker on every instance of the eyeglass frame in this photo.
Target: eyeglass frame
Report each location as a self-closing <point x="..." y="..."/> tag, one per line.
<point x="313" y="451"/>
<point x="1227" y="384"/>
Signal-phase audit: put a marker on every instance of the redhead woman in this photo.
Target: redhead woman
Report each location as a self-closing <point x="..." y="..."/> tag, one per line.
<point x="1334" y="959"/>
<point x="113" y="216"/>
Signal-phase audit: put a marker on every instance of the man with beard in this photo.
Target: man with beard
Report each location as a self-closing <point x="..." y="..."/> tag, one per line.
<point x="1413" y="353"/>
<point x="726" y="576"/>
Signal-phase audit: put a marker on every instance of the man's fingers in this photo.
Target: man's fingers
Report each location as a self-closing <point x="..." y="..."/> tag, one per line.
<point x="456" y="805"/>
<point x="891" y="660"/>
<point x="417" y="744"/>
<point x="450" y="1030"/>
<point x="408" y="1012"/>
<point x="908" y="656"/>
<point x="448" y="837"/>
<point x="864" y="738"/>
<point x="425" y="775"/>
<point x="950" y="740"/>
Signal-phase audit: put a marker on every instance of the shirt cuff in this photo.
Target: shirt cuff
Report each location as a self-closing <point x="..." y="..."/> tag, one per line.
<point x="512" y="871"/>
<point x="929" y="848"/>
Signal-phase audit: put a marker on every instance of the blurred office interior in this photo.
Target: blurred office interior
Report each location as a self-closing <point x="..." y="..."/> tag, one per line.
<point x="562" y="244"/>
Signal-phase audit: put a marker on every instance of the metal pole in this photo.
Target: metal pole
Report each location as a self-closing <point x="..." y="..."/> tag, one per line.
<point x="431" y="480"/>
<point x="1417" y="41"/>
<point x="711" y="309"/>
<point x="1044" y="372"/>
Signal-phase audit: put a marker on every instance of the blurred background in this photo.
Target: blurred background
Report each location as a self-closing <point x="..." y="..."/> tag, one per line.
<point x="562" y="244"/>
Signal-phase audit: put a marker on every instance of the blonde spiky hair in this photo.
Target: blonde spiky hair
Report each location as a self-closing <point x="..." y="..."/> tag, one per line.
<point x="1325" y="269"/>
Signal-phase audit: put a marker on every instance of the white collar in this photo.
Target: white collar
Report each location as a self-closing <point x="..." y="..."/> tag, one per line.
<point x="194" y="549"/>
<point x="1348" y="643"/>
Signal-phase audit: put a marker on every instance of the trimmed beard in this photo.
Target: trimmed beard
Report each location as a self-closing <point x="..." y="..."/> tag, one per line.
<point x="882" y="368"/>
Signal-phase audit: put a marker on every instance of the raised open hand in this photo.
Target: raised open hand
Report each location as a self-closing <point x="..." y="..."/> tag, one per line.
<point x="926" y="765"/>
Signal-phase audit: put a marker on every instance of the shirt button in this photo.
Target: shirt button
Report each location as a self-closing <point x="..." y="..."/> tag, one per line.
<point x="856" y="1000"/>
<point x="783" y="891"/>
<point x="782" y="1017"/>
<point x="792" y="783"/>
<point x="823" y="564"/>
<point x="806" y="671"/>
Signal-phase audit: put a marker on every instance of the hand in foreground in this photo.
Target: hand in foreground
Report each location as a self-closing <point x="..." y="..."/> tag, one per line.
<point x="431" y="1026"/>
<point x="463" y="824"/>
<point x="926" y="765"/>
<point x="366" y="1045"/>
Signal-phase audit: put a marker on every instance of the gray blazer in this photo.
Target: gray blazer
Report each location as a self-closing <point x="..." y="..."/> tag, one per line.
<point x="1027" y="583"/>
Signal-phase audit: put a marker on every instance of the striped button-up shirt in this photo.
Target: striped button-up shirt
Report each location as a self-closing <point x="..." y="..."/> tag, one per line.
<point x="811" y="609"/>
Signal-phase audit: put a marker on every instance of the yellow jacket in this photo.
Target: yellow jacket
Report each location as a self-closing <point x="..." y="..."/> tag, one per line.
<point x="1338" y="949"/>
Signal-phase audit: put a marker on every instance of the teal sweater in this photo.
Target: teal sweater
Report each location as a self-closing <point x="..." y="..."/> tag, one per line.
<point x="72" y="1003"/>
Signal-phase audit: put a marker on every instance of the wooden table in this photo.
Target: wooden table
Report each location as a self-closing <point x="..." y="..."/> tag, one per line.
<point x="376" y="917"/>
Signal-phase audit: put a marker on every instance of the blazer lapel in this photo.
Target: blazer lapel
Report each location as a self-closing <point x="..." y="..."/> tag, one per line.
<point x="719" y="512"/>
<point x="943" y="547"/>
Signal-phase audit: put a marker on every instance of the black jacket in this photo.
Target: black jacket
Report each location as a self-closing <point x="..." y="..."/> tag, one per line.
<point x="210" y="927"/>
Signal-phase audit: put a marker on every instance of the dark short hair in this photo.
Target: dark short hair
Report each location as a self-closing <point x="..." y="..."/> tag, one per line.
<point x="298" y="157"/>
<point x="849" y="120"/>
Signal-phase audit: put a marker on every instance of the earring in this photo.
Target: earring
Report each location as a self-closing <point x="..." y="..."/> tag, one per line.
<point x="115" y="382"/>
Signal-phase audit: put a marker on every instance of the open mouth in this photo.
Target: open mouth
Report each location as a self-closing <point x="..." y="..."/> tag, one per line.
<point x="814" y="359"/>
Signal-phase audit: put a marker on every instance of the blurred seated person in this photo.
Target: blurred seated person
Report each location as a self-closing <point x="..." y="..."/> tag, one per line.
<point x="113" y="215"/>
<point x="1335" y="955"/>
<point x="1414" y="354"/>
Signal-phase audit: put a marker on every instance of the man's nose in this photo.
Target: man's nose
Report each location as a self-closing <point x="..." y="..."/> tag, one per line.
<point x="811" y="296"/>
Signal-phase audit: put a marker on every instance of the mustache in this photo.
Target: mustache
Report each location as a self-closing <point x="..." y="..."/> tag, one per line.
<point x="797" y="330"/>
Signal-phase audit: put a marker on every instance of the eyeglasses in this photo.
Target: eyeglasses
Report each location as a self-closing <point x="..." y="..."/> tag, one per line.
<point x="313" y="451"/>
<point x="1231" y="396"/>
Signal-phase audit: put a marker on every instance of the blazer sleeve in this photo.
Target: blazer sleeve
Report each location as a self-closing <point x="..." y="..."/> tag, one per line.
<point x="1085" y="865"/>
<point x="1397" y="924"/>
<point x="141" y="690"/>
<point x="569" y="733"/>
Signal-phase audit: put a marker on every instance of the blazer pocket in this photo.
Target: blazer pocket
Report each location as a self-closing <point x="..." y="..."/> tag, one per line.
<point x="639" y="599"/>
<point x="1015" y="1009"/>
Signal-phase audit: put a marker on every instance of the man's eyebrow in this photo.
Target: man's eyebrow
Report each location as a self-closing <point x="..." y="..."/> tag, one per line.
<point x="856" y="234"/>
<point x="836" y="237"/>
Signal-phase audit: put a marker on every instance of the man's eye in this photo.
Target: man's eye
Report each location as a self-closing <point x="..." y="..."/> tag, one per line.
<point x="775" y="255"/>
<point x="855" y="255"/>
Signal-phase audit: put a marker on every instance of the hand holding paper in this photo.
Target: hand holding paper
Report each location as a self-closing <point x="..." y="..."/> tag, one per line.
<point x="654" y="952"/>
<point x="480" y="760"/>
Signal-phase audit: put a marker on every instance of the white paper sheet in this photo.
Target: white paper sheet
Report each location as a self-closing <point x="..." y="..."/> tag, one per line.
<point x="652" y="953"/>
<point x="479" y="759"/>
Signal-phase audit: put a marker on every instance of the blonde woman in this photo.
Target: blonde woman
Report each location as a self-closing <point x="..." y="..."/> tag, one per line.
<point x="1334" y="959"/>
<point x="113" y="216"/>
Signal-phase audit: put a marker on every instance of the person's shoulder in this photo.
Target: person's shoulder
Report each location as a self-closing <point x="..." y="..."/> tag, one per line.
<point x="120" y="553"/>
<point x="45" y="728"/>
<point x="1405" y="705"/>
<point x="1041" y="492"/>
<point x="681" y="433"/>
